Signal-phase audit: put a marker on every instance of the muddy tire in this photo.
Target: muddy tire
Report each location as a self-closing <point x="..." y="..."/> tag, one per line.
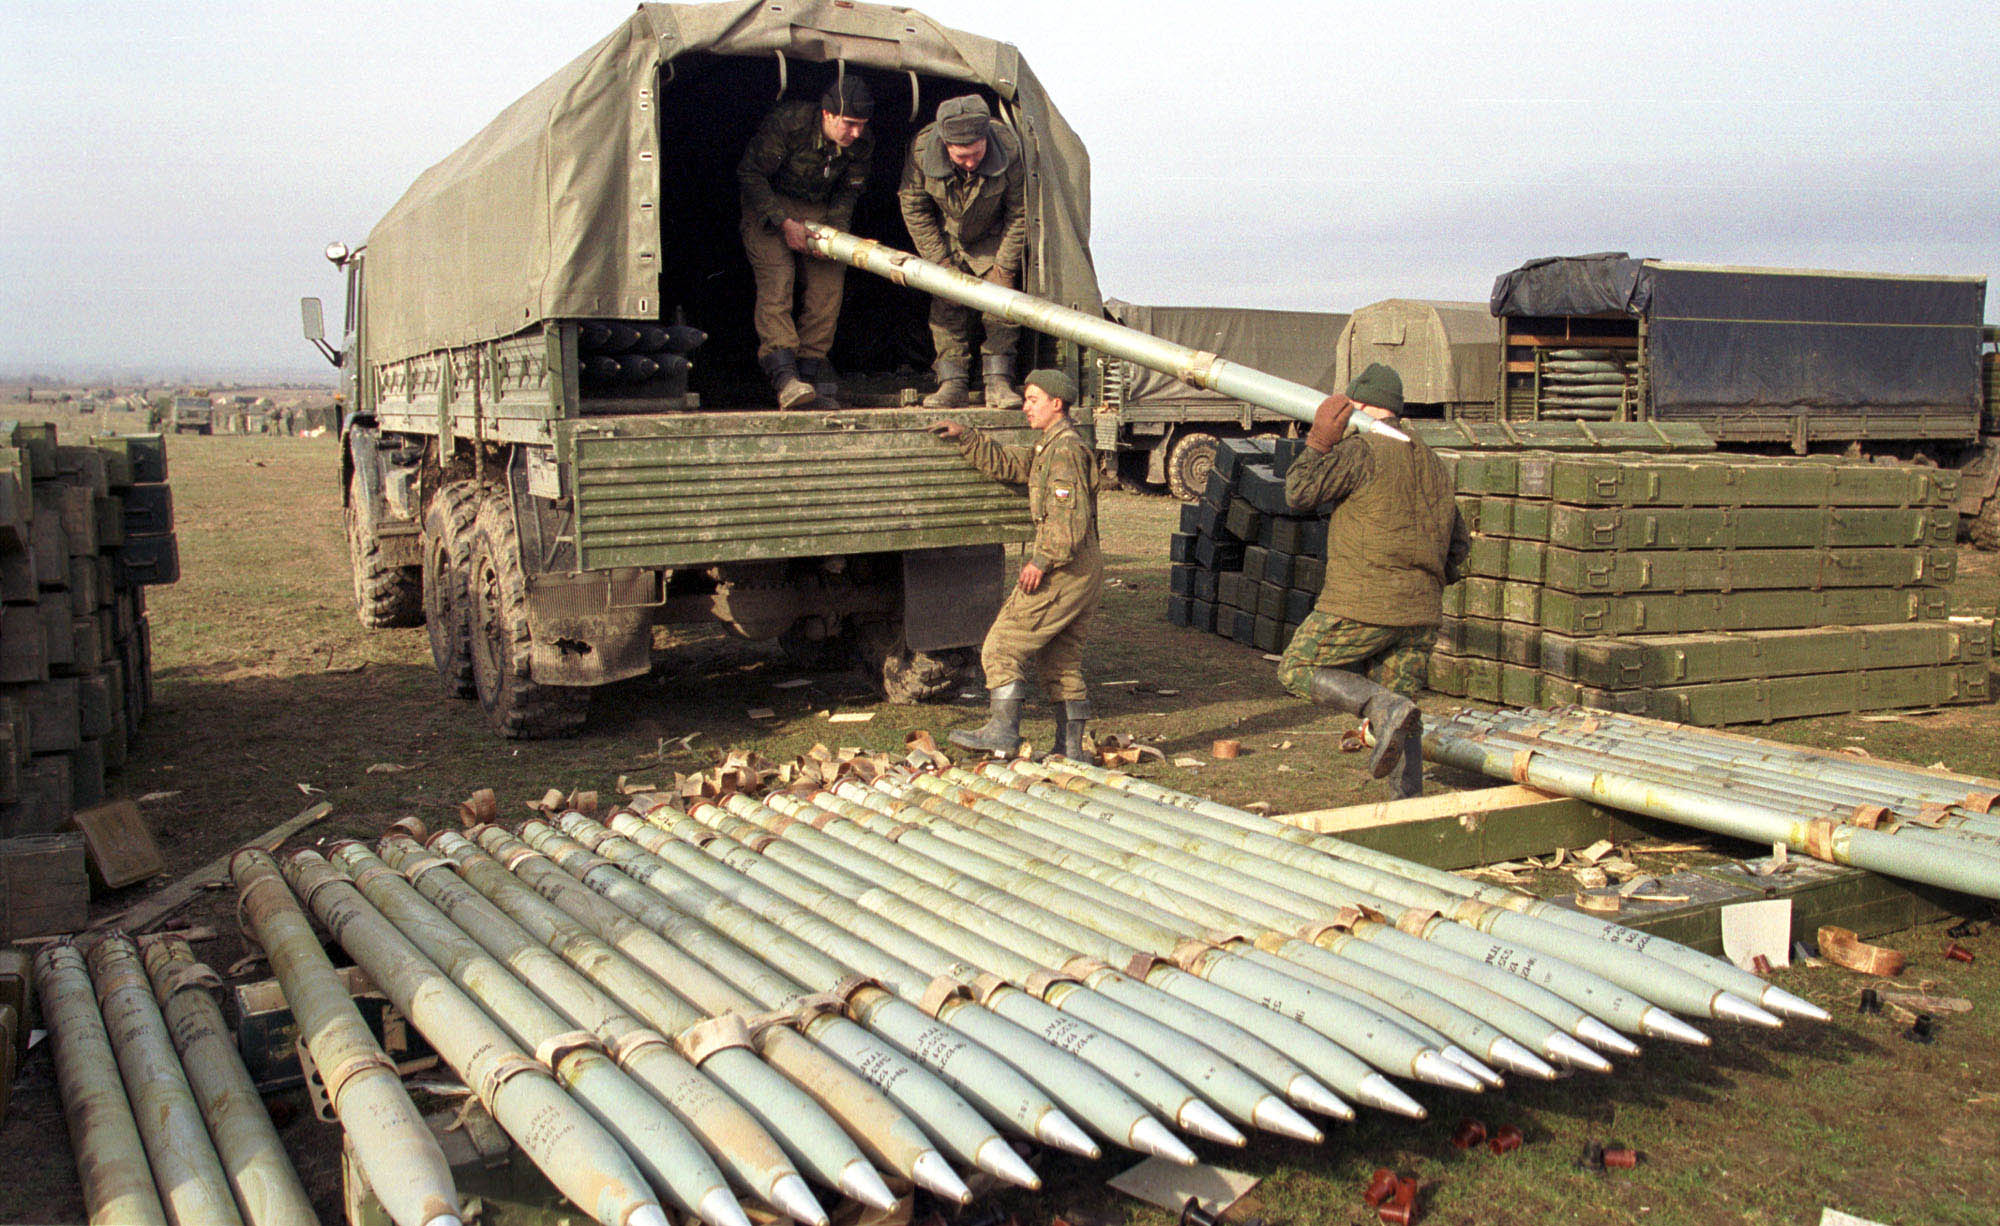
<point x="1983" y="529"/>
<point x="385" y="596"/>
<point x="1188" y="465"/>
<point x="498" y="641"/>
<point x="447" y="542"/>
<point x="905" y="675"/>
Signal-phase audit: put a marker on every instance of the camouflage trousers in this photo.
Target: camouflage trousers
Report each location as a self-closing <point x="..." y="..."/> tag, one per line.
<point x="1398" y="657"/>
<point x="780" y="274"/>
<point x="1045" y="628"/>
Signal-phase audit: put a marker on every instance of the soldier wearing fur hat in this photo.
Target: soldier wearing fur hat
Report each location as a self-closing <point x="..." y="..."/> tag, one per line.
<point x="1044" y="618"/>
<point x="1394" y="541"/>
<point x="964" y="197"/>
<point x="807" y="162"/>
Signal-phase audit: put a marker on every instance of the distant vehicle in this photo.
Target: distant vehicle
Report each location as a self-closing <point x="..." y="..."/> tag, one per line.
<point x="193" y="415"/>
<point x="556" y="436"/>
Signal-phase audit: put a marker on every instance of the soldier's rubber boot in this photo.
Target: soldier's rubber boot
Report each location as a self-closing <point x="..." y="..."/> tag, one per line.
<point x="1001" y="733"/>
<point x="824" y="378"/>
<point x="1069" y="735"/>
<point x="952" y="385"/>
<point x="1391" y="717"/>
<point x="1410" y="779"/>
<point x="998" y="370"/>
<point x="781" y="367"/>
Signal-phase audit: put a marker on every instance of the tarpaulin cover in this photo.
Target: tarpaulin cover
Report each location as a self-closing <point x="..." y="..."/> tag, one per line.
<point x="1729" y="340"/>
<point x="1446" y="352"/>
<point x="1296" y="345"/>
<point x="551" y="211"/>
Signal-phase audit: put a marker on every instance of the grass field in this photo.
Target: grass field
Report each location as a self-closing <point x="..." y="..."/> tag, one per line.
<point x="270" y="696"/>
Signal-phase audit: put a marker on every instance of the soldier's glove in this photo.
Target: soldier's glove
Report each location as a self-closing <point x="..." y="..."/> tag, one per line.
<point x="1000" y="277"/>
<point x="1329" y="423"/>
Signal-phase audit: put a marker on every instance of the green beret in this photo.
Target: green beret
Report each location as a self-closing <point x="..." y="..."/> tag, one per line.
<point x="1057" y="384"/>
<point x="1379" y="386"/>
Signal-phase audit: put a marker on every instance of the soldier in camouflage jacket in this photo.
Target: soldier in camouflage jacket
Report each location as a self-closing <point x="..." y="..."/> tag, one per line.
<point x="1044" y="618"/>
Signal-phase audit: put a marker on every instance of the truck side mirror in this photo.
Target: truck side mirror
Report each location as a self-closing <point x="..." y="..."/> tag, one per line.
<point x="314" y="318"/>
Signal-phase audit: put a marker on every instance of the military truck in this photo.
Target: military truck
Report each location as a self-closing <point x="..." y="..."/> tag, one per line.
<point x="193" y="415"/>
<point x="1763" y="359"/>
<point x="1162" y="431"/>
<point x="556" y="438"/>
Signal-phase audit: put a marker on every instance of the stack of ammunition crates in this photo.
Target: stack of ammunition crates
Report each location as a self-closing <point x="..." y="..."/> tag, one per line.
<point x="83" y="530"/>
<point x="1248" y="568"/>
<point x="1244" y="566"/>
<point x="1707" y="589"/>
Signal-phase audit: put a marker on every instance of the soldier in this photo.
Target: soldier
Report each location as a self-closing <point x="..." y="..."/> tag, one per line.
<point x="1395" y="540"/>
<point x="808" y="162"/>
<point x="1045" y="615"/>
<point x="965" y="202"/>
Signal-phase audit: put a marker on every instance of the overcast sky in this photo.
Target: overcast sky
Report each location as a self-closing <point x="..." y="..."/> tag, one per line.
<point x="169" y="172"/>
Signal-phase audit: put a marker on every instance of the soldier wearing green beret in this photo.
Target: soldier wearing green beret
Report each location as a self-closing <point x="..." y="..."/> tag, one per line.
<point x="964" y="197"/>
<point x="1044" y="618"/>
<point x="1394" y="541"/>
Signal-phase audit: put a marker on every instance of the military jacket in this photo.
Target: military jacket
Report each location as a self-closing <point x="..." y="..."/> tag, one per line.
<point x="790" y="156"/>
<point x="1395" y="538"/>
<point x="1061" y="476"/>
<point x="972" y="220"/>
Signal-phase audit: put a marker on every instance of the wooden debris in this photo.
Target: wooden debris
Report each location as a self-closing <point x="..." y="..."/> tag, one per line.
<point x="119" y="844"/>
<point x="145" y="915"/>
<point x="1842" y="947"/>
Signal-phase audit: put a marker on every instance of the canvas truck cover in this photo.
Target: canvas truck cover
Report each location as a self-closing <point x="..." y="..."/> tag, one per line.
<point x="1295" y="345"/>
<point x="1733" y="340"/>
<point x="551" y="211"/>
<point x="1446" y="352"/>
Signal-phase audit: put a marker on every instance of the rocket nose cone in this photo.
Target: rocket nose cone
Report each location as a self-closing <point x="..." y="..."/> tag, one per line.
<point x="792" y="1196"/>
<point x="1780" y="1001"/>
<point x="863" y="1182"/>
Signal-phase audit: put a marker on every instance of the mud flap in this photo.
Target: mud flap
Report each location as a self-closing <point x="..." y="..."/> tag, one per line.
<point x="591" y="628"/>
<point x="951" y="595"/>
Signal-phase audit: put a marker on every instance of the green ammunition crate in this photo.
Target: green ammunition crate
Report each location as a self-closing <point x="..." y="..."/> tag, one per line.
<point x="1242" y="626"/>
<point x="1558" y="692"/>
<point x="1521" y="602"/>
<point x="1204" y="585"/>
<point x="1748" y="527"/>
<point x="1487" y="557"/>
<point x="1447" y="673"/>
<point x="1530" y="518"/>
<point x="1520" y="685"/>
<point x="1253" y="561"/>
<point x="1562" y="435"/>
<point x="1243" y="520"/>
<point x="1482" y="597"/>
<point x="1271" y="601"/>
<point x="1567" y="613"/>
<point x="1278" y="568"/>
<point x="1309" y="572"/>
<point x="1481" y="679"/>
<point x="1468" y="509"/>
<point x="1180" y="611"/>
<point x="1495" y="515"/>
<point x="1299" y="604"/>
<point x="1268" y="634"/>
<point x="1180" y="547"/>
<point x="1286" y="534"/>
<point x="1180" y="580"/>
<point x="1229" y="588"/>
<point x="1737" y="481"/>
<point x="1490" y="473"/>
<point x="1760" y="701"/>
<point x="1201" y="614"/>
<point x="1573" y="570"/>
<point x="1684" y="659"/>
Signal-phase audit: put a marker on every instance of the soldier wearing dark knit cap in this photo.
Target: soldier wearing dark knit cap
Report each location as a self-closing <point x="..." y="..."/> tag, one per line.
<point x="964" y="197"/>
<point x="1045" y="617"/>
<point x="807" y="162"/>
<point x="1394" y="541"/>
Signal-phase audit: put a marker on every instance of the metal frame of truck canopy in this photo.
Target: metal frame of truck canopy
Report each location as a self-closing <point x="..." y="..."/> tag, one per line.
<point x="1770" y="354"/>
<point x="607" y="193"/>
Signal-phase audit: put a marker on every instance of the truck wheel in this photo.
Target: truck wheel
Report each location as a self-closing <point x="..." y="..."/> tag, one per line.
<point x="904" y="674"/>
<point x="496" y="606"/>
<point x="385" y="596"/>
<point x="1188" y="465"/>
<point x="447" y="539"/>
<point x="1983" y="529"/>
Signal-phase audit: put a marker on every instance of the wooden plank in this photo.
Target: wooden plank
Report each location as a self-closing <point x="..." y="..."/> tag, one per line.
<point x="121" y="846"/>
<point x="143" y="915"/>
